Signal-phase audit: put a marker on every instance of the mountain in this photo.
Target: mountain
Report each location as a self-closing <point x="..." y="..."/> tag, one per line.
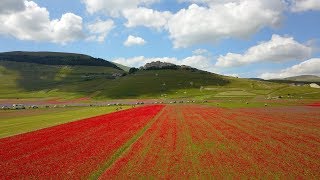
<point x="123" y="67"/>
<point x="257" y="79"/>
<point x="69" y="76"/>
<point x="25" y="80"/>
<point x="55" y="58"/>
<point x="157" y="65"/>
<point x="304" y="78"/>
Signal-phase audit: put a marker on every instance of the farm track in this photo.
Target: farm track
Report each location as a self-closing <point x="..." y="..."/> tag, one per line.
<point x="172" y="142"/>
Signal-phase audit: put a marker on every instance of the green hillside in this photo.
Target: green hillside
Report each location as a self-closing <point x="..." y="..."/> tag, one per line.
<point x="125" y="68"/>
<point x="26" y="80"/>
<point x="55" y="58"/>
<point x="23" y="80"/>
<point x="34" y="80"/>
<point x="306" y="78"/>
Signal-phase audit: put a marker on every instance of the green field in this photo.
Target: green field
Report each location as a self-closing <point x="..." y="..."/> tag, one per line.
<point x="13" y="122"/>
<point x="255" y="103"/>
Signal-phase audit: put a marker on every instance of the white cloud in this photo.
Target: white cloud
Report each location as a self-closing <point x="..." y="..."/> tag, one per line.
<point x="232" y="75"/>
<point x="309" y="67"/>
<point x="133" y="40"/>
<point x="100" y="30"/>
<point x="33" y="23"/>
<point x="305" y="5"/>
<point x="146" y="17"/>
<point x="240" y="19"/>
<point x="200" y="52"/>
<point x="9" y="6"/>
<point x="200" y="62"/>
<point x="197" y="24"/>
<point x="277" y="49"/>
<point x="67" y="29"/>
<point x="114" y="7"/>
<point x="210" y="2"/>
<point x="141" y="60"/>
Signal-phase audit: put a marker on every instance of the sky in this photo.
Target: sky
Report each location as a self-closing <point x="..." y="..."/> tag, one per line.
<point x="244" y="38"/>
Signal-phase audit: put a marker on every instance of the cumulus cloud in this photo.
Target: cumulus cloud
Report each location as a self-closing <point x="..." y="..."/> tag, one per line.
<point x="200" y="52"/>
<point x="99" y="30"/>
<point x="146" y="17"/>
<point x="309" y="67"/>
<point x="232" y="75"/>
<point x="67" y="29"/>
<point x="141" y="60"/>
<point x="239" y="19"/>
<point x="305" y="5"/>
<point x="209" y="2"/>
<point x="9" y="6"/>
<point x="133" y="40"/>
<point x="200" y="62"/>
<point x="278" y="49"/>
<point x="33" y="23"/>
<point x="114" y="7"/>
<point x="205" y="23"/>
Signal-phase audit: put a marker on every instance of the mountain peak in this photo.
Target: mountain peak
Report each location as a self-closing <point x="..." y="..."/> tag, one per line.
<point x="55" y="58"/>
<point x="155" y="65"/>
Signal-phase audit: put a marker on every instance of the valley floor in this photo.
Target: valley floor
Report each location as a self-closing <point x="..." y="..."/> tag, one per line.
<point x="173" y="142"/>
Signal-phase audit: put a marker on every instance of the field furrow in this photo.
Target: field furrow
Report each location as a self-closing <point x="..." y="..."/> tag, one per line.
<point x="205" y="142"/>
<point x="71" y="150"/>
<point x="172" y="142"/>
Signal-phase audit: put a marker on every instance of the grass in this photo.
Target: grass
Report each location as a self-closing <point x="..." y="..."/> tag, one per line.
<point x="237" y="104"/>
<point x="27" y="80"/>
<point x="13" y="122"/>
<point x="255" y="103"/>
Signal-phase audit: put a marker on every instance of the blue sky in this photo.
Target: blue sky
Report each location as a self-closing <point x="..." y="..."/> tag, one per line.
<point x="246" y="38"/>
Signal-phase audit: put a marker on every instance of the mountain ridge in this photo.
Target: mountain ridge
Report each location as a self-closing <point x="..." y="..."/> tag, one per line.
<point x="26" y="79"/>
<point x="55" y="58"/>
<point x="307" y="78"/>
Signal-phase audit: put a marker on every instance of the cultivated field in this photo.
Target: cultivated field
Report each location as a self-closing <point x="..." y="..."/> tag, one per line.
<point x="13" y="122"/>
<point x="173" y="142"/>
<point x="194" y="141"/>
<point x="76" y="149"/>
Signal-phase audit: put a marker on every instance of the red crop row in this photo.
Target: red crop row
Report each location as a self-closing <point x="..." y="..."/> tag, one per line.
<point x="195" y="141"/>
<point x="181" y="142"/>
<point x="317" y="104"/>
<point x="161" y="152"/>
<point x="73" y="150"/>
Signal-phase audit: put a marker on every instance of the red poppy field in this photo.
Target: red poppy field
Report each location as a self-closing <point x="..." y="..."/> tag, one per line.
<point x="171" y="142"/>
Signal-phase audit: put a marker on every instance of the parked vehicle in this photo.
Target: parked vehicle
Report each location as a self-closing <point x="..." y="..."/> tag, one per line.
<point x="5" y="108"/>
<point x="18" y="106"/>
<point x="34" y="107"/>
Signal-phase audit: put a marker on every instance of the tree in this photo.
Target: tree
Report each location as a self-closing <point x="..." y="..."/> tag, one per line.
<point x="133" y="70"/>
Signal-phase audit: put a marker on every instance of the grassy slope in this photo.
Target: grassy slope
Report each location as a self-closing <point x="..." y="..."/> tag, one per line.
<point x="125" y="68"/>
<point x="17" y="122"/>
<point x="307" y="78"/>
<point x="27" y="80"/>
<point x="55" y="58"/>
<point x="145" y="84"/>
